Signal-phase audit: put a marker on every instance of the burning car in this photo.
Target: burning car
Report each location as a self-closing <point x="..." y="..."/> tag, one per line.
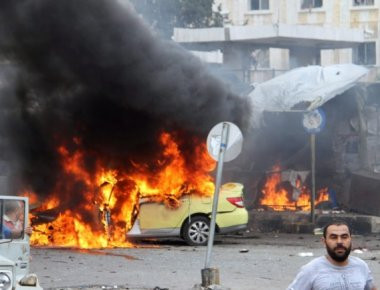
<point x="190" y="220"/>
<point x="14" y="245"/>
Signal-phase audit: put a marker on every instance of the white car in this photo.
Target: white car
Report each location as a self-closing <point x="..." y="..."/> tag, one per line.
<point x="14" y="248"/>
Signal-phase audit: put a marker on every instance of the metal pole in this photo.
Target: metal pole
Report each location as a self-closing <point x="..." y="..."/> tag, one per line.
<point x="312" y="146"/>
<point x="223" y="146"/>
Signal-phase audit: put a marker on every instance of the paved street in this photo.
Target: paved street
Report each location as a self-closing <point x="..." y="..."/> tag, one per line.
<point x="271" y="262"/>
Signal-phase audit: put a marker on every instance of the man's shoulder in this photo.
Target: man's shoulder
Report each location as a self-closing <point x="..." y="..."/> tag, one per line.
<point x="315" y="263"/>
<point x="357" y="261"/>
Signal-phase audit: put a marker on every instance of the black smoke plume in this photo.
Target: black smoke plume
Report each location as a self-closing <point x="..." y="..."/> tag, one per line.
<point x="93" y="71"/>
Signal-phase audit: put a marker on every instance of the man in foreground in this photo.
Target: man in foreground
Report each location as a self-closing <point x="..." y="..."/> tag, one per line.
<point x="335" y="270"/>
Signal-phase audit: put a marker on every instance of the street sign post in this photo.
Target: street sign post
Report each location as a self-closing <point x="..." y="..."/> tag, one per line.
<point x="224" y="143"/>
<point x="234" y="142"/>
<point x="313" y="122"/>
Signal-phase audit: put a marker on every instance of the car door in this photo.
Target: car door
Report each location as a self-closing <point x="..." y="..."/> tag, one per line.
<point x="15" y="249"/>
<point x="160" y="219"/>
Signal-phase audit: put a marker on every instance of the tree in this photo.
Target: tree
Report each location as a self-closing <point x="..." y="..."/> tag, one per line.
<point x="164" y="15"/>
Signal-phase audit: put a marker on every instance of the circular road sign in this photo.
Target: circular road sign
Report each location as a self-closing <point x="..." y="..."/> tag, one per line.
<point x="234" y="141"/>
<point x="314" y="121"/>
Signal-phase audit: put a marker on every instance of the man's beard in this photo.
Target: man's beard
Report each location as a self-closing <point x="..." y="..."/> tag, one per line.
<point x="338" y="257"/>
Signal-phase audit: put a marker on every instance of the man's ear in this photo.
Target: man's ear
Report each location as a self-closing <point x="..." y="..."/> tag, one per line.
<point x="323" y="240"/>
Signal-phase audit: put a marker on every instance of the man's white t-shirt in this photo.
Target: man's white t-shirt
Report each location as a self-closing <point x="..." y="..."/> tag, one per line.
<point x="320" y="274"/>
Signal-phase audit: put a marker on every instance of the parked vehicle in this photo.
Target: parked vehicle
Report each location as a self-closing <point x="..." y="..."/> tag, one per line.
<point x="14" y="245"/>
<point x="191" y="220"/>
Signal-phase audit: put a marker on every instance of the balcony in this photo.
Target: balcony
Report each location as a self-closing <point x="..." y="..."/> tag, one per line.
<point x="275" y="35"/>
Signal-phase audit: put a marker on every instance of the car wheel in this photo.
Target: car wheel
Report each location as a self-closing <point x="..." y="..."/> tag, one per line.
<point x="197" y="231"/>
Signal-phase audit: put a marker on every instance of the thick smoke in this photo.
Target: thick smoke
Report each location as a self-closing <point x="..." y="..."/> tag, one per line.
<point x="93" y="70"/>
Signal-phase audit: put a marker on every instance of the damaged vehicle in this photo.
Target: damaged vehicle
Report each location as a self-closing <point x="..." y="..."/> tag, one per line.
<point x="191" y="219"/>
<point x="14" y="245"/>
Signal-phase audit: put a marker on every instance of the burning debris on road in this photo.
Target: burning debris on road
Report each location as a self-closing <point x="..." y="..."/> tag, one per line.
<point x="280" y="195"/>
<point x="100" y="112"/>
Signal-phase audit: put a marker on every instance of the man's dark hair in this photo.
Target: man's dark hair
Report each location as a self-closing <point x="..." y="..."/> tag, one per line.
<point x="336" y="223"/>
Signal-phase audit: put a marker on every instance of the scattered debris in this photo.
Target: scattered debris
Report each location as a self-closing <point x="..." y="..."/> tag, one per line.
<point x="29" y="280"/>
<point x="359" y="250"/>
<point x="318" y="231"/>
<point x="211" y="287"/>
<point x="306" y="254"/>
<point x="266" y="278"/>
<point x="93" y="287"/>
<point x="105" y="253"/>
<point x="217" y="287"/>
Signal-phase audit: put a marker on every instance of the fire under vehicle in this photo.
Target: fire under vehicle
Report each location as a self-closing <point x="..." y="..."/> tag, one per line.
<point x="14" y="246"/>
<point x="191" y="219"/>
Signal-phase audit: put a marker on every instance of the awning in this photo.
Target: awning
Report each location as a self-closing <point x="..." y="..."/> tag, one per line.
<point x="303" y="89"/>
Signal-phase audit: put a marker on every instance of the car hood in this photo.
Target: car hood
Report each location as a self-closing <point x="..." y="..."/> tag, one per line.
<point x="6" y="262"/>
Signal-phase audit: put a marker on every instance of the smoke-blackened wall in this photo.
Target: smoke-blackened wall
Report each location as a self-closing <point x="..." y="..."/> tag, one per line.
<point x="91" y="75"/>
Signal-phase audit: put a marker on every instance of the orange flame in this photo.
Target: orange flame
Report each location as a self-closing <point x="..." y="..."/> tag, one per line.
<point x="277" y="197"/>
<point x="112" y="196"/>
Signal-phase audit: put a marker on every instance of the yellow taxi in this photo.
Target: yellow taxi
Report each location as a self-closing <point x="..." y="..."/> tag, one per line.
<point x="191" y="220"/>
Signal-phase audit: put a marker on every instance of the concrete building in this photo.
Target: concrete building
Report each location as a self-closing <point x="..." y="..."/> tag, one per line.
<point x="262" y="38"/>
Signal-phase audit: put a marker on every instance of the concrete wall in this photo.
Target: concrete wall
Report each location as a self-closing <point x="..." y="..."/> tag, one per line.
<point x="364" y="193"/>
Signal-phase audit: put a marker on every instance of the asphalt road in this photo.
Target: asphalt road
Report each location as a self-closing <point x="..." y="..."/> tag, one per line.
<point x="264" y="261"/>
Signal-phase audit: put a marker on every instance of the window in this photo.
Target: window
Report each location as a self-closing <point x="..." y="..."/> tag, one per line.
<point x="12" y="218"/>
<point x="363" y="2"/>
<point x="308" y="4"/>
<point x="366" y="54"/>
<point x="259" y="4"/>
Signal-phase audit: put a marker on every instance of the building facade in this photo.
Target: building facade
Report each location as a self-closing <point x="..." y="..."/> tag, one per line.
<point x="262" y="38"/>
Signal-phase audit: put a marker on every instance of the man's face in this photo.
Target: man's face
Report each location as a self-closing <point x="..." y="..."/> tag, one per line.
<point x="338" y="242"/>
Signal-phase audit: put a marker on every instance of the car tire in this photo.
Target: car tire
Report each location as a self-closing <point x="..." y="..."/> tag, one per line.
<point x="196" y="231"/>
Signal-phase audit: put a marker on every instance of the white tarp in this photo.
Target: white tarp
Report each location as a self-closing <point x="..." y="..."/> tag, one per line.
<point x="303" y="89"/>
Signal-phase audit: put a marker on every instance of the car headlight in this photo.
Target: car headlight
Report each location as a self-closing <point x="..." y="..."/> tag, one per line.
<point x="5" y="281"/>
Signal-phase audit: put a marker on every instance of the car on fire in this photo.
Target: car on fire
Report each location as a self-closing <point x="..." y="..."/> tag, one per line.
<point x="14" y="246"/>
<point x="191" y="219"/>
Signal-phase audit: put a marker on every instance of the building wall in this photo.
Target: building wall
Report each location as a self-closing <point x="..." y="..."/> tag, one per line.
<point x="333" y="13"/>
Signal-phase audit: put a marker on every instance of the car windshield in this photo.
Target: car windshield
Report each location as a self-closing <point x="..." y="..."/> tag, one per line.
<point x="12" y="218"/>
